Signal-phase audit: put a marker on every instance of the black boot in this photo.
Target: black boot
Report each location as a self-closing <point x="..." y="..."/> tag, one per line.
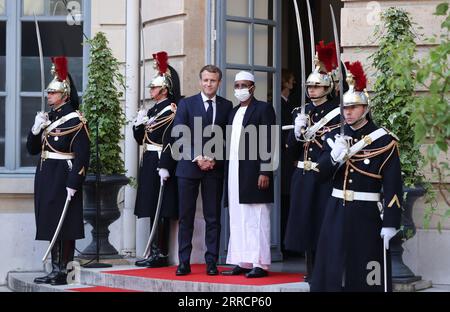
<point x="66" y="256"/>
<point x="309" y="258"/>
<point x="153" y="251"/>
<point x="160" y="254"/>
<point x="55" y="266"/>
<point x="146" y="262"/>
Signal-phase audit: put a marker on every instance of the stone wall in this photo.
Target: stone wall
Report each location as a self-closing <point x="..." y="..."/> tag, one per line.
<point x="427" y="252"/>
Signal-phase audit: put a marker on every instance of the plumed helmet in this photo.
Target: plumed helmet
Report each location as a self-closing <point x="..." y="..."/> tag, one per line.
<point x="318" y="77"/>
<point x="357" y="81"/>
<point x="60" y="82"/>
<point x="162" y="78"/>
<point x="325" y="63"/>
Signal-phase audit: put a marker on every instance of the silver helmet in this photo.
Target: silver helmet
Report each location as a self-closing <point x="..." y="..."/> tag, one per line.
<point x="319" y="77"/>
<point x="357" y="81"/>
<point x="162" y="78"/>
<point x="60" y="82"/>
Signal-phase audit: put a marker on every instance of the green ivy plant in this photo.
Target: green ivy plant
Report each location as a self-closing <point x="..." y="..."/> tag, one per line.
<point x="101" y="104"/>
<point x="394" y="88"/>
<point x="430" y="116"/>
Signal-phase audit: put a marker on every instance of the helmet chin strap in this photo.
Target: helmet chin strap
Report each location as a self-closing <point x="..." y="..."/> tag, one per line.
<point x="317" y="97"/>
<point x="360" y="119"/>
<point x="328" y="91"/>
<point x="159" y="93"/>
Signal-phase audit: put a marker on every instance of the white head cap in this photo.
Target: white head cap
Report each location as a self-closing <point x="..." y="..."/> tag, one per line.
<point x="244" y="75"/>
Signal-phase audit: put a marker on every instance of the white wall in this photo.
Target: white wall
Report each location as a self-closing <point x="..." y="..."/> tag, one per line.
<point x="427" y="254"/>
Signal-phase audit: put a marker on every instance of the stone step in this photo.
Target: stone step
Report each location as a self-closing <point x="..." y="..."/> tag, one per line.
<point x="23" y="282"/>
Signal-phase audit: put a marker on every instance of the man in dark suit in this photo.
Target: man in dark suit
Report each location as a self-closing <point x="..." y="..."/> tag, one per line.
<point x="205" y="111"/>
<point x="249" y="181"/>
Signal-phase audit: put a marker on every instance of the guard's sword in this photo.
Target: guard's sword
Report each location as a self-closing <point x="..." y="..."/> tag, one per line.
<point x="41" y="63"/>
<point x="302" y="57"/>
<point x="338" y="57"/>
<point x="142" y="103"/>
<point x="385" y="268"/>
<point x="58" y="228"/>
<point x="380" y="208"/>
<point x="311" y="35"/>
<point x="155" y="221"/>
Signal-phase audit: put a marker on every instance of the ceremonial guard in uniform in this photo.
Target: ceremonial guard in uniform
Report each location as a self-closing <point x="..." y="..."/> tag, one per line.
<point x="62" y="138"/>
<point x="361" y="163"/>
<point x="308" y="195"/>
<point x="152" y="129"/>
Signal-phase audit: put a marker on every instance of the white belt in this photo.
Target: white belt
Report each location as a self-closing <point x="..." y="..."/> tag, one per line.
<point x="307" y="165"/>
<point x="352" y="195"/>
<point x="153" y="148"/>
<point x="51" y="155"/>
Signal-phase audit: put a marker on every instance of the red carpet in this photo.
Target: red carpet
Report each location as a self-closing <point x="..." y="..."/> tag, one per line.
<point x="101" y="289"/>
<point x="199" y="275"/>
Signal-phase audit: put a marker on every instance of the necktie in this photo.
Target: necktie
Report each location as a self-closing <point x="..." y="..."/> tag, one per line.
<point x="209" y="113"/>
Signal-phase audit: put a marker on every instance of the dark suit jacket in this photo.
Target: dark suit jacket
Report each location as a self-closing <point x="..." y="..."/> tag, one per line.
<point x="188" y="109"/>
<point x="258" y="113"/>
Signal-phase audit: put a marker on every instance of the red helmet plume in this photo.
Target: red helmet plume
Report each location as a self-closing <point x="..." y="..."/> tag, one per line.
<point x="327" y="55"/>
<point x="161" y="59"/>
<point x="61" y="67"/>
<point x="357" y="71"/>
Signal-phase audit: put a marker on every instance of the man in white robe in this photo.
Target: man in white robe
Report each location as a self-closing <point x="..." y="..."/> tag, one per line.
<point x="250" y="188"/>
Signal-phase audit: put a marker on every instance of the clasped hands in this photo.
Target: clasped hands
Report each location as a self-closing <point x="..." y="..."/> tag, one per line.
<point x="205" y="163"/>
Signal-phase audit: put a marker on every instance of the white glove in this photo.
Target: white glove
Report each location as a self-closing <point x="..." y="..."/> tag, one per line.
<point x="141" y="118"/>
<point x="163" y="174"/>
<point x="300" y="122"/>
<point x="339" y="148"/>
<point x="71" y="192"/>
<point x="40" y="122"/>
<point x="386" y="234"/>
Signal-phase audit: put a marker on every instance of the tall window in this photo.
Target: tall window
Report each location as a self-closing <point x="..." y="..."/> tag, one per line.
<point x="249" y="34"/>
<point x="2" y="81"/>
<point x="61" y="35"/>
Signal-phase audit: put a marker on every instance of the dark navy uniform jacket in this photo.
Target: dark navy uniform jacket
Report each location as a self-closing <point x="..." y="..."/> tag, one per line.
<point x="350" y="237"/>
<point x="308" y="195"/>
<point x="53" y="175"/>
<point x="159" y="133"/>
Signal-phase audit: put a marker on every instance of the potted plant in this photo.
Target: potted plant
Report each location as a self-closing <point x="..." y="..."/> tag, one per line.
<point x="394" y="90"/>
<point x="103" y="110"/>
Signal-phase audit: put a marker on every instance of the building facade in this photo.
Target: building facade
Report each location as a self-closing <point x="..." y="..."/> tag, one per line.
<point x="256" y="35"/>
